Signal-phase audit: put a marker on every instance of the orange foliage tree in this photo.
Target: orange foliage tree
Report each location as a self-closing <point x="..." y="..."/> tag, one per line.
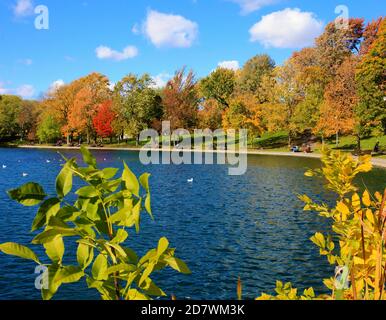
<point x="338" y="109"/>
<point x="180" y="100"/>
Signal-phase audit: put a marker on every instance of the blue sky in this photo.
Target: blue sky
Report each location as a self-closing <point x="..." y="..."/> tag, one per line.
<point x="117" y="37"/>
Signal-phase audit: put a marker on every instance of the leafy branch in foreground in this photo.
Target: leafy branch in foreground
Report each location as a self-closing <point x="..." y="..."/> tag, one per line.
<point x="357" y="248"/>
<point x="98" y="221"/>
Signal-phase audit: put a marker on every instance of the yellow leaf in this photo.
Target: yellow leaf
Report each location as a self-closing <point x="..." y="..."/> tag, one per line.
<point x="356" y="202"/>
<point x="378" y="196"/>
<point x="366" y="199"/>
<point x="370" y="216"/>
<point x="358" y="261"/>
<point x="343" y="209"/>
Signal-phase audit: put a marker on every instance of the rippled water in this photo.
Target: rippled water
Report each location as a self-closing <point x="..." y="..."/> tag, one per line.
<point x="223" y="226"/>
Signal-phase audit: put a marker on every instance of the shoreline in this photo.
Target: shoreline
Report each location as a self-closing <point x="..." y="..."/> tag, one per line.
<point x="381" y="163"/>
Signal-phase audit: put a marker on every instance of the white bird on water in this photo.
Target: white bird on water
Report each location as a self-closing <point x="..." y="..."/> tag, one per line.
<point x="25" y="174"/>
<point x="190" y="180"/>
<point x="4" y="166"/>
<point x="48" y="161"/>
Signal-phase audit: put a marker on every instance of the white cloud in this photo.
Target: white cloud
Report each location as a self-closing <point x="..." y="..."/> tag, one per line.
<point x="136" y="29"/>
<point x="169" y="30"/>
<point x="161" y="80"/>
<point x="56" y="85"/>
<point x="26" y="62"/>
<point x="23" y="8"/>
<point x="25" y="91"/>
<point x="231" y="65"/>
<point x="112" y="85"/>
<point x="289" y="28"/>
<point x="248" y="6"/>
<point x="104" y="52"/>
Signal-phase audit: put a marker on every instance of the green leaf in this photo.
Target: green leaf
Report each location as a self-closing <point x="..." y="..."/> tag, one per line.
<point x="144" y="180"/>
<point x="28" y="195"/>
<point x="87" y="192"/>
<point x="99" y="268"/>
<point x="152" y="289"/>
<point x="64" y="181"/>
<point x="120" y="237"/>
<point x="55" y="249"/>
<point x="163" y="245"/>
<point x="18" y="250"/>
<point x="111" y="186"/>
<point x="49" y="235"/>
<point x="130" y="180"/>
<point x="88" y="158"/>
<point x="84" y="255"/>
<point x="137" y="215"/>
<point x="109" y="173"/>
<point x="178" y="265"/>
<point x="53" y="285"/>
<point x="122" y="267"/>
<point x="134" y="294"/>
<point x="69" y="274"/>
<point x="148" y="205"/>
<point x="149" y="269"/>
<point x="49" y="208"/>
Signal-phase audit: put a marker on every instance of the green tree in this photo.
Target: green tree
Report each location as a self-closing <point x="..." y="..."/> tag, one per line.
<point x="27" y="118"/>
<point x="253" y="71"/>
<point x="219" y="85"/>
<point x="9" y="110"/>
<point x="48" y="129"/>
<point x="136" y="104"/>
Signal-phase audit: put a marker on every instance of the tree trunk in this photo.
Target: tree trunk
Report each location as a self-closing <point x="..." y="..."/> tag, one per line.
<point x="337" y="139"/>
<point x="289" y="140"/>
<point x="359" y="147"/>
<point x="68" y="138"/>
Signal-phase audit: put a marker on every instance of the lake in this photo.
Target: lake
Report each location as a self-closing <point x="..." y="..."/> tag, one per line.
<point x="224" y="227"/>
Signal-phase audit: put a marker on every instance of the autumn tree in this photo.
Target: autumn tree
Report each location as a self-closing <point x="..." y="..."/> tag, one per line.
<point x="244" y="112"/>
<point x="180" y="100"/>
<point x="338" y="109"/>
<point x="103" y="119"/>
<point x="210" y="115"/>
<point x="219" y="85"/>
<point x="371" y="80"/>
<point x="59" y="102"/>
<point x="311" y="83"/>
<point x="94" y="90"/>
<point x="339" y="41"/>
<point x="370" y="34"/>
<point x="288" y="93"/>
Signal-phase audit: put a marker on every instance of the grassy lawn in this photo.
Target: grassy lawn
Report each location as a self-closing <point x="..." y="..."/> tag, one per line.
<point x="269" y="141"/>
<point x="279" y="142"/>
